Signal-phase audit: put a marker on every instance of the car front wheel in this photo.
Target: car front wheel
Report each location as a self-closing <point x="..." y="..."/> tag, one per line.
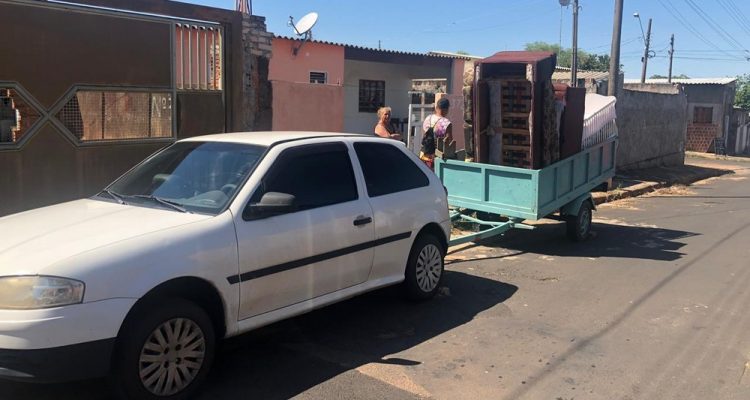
<point x="424" y="268"/>
<point x="164" y="352"/>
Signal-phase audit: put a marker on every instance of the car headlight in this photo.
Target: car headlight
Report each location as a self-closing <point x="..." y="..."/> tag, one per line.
<point x="34" y="292"/>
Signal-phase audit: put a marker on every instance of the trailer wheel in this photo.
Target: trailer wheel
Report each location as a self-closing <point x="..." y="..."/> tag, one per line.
<point x="579" y="226"/>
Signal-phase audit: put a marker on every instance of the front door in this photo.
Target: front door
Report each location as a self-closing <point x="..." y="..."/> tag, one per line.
<point x="315" y="250"/>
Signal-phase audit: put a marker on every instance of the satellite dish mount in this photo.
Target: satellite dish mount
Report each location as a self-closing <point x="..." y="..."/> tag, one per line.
<point x="303" y="28"/>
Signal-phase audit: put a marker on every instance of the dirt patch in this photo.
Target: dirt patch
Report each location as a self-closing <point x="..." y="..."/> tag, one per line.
<point x="674" y="190"/>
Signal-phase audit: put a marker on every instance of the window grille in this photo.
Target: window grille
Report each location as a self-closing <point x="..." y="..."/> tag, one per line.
<point x="198" y="57"/>
<point x="93" y="115"/>
<point x="17" y="116"/>
<point x="371" y="95"/>
<point x="318" y="77"/>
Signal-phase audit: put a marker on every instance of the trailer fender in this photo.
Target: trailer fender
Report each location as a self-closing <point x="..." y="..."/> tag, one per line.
<point x="571" y="209"/>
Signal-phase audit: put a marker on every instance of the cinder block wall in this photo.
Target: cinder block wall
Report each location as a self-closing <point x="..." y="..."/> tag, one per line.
<point x="652" y="128"/>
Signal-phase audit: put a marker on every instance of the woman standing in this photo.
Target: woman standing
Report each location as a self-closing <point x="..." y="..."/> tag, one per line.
<point x="384" y="127"/>
<point x="436" y="126"/>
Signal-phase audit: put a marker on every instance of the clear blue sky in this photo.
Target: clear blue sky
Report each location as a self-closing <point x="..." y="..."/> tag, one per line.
<point x="709" y="40"/>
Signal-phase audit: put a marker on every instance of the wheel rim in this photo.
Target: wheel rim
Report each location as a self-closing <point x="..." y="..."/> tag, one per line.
<point x="585" y="223"/>
<point x="429" y="268"/>
<point x="172" y="356"/>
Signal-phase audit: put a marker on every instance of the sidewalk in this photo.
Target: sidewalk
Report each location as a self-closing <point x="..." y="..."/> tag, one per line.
<point x="638" y="182"/>
<point x="712" y="156"/>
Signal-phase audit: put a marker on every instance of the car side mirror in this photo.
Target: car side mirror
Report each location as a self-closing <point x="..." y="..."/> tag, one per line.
<point x="272" y="203"/>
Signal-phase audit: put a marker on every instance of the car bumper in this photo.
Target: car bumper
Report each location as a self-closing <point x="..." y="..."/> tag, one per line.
<point x="60" y="344"/>
<point x="58" y="364"/>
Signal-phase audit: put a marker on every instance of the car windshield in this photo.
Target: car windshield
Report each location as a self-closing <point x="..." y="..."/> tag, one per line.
<point x="187" y="177"/>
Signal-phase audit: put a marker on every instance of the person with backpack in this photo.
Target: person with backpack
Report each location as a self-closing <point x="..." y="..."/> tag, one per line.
<point x="437" y="128"/>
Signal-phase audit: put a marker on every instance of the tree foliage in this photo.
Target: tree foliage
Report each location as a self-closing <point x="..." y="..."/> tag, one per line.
<point x="586" y="61"/>
<point x="742" y="96"/>
<point x="680" y="76"/>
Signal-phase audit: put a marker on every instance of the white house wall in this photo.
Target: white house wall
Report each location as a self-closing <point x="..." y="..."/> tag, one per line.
<point x="397" y="79"/>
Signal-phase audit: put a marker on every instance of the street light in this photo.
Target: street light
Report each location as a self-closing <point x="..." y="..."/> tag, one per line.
<point x="647" y="42"/>
<point x="636" y="15"/>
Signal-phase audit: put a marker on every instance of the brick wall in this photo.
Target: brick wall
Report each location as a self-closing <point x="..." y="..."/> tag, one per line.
<point x="700" y="137"/>
<point x="256" y="43"/>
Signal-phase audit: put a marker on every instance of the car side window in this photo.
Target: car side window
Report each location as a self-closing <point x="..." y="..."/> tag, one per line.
<point x="316" y="175"/>
<point x="387" y="169"/>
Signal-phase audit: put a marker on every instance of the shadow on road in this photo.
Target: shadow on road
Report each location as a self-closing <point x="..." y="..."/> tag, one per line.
<point x="287" y="358"/>
<point x="608" y="240"/>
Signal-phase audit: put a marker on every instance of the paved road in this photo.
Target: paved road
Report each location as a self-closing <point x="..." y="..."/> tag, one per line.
<point x="653" y="307"/>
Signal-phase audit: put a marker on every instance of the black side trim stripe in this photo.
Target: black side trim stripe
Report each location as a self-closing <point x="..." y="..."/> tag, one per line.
<point x="275" y="269"/>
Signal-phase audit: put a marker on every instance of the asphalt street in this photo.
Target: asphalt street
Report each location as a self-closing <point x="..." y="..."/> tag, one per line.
<point x="652" y="307"/>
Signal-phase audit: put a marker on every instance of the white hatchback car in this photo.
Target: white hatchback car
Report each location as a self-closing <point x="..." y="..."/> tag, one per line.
<point x="206" y="239"/>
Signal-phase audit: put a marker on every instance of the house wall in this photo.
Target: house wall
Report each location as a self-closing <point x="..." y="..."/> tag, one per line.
<point x="397" y="79"/>
<point x="652" y="129"/>
<point x="319" y="57"/>
<point x="307" y="107"/>
<point x="700" y="136"/>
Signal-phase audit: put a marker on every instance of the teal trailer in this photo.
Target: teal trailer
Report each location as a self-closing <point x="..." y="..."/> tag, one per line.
<point x="561" y="190"/>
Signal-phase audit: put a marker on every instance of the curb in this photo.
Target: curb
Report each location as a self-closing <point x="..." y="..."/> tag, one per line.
<point x="647" y="187"/>
<point x="712" y="156"/>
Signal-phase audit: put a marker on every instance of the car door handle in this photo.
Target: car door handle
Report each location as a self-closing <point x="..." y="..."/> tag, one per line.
<point x="362" y="221"/>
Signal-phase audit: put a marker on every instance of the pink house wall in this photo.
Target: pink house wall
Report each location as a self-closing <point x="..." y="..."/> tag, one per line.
<point x="299" y="104"/>
<point x="318" y="57"/>
<point x="307" y="107"/>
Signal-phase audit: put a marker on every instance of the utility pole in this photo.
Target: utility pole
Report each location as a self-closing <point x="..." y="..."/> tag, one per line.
<point x="671" y="54"/>
<point x="645" y="52"/>
<point x="614" y="58"/>
<point x="574" y="61"/>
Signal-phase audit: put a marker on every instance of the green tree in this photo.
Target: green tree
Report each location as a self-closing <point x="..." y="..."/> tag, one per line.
<point x="586" y="61"/>
<point x="742" y="96"/>
<point x="680" y="76"/>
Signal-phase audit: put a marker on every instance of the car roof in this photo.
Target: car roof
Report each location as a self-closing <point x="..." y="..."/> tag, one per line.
<point x="269" y="138"/>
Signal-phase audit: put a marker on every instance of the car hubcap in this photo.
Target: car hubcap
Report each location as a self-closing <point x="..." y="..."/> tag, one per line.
<point x="429" y="265"/>
<point x="172" y="357"/>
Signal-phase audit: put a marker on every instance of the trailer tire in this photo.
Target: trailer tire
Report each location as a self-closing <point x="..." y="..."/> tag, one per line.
<point x="579" y="226"/>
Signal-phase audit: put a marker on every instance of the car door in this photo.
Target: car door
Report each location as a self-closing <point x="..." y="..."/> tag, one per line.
<point x="400" y="195"/>
<point x="315" y="250"/>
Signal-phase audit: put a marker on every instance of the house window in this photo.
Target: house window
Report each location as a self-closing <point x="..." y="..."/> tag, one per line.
<point x="371" y="95"/>
<point x="318" y="77"/>
<point x="198" y="57"/>
<point x="703" y="115"/>
<point x="98" y="115"/>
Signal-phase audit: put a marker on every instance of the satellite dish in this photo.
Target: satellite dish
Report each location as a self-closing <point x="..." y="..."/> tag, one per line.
<point x="306" y="23"/>
<point x="303" y="28"/>
<point x="564" y="3"/>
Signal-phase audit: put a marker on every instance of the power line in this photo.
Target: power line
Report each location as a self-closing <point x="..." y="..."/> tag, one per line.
<point x="735" y="16"/>
<point x="738" y="12"/>
<point x="675" y="12"/>
<point x="706" y="59"/>
<point x="713" y="25"/>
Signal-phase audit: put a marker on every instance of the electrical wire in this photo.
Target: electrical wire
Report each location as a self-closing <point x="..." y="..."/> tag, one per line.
<point x="675" y="12"/>
<point x="714" y="26"/>
<point x="738" y="12"/>
<point x="735" y="16"/>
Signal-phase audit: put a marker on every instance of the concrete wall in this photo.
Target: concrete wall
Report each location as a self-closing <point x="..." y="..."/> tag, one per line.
<point x="306" y="106"/>
<point x="652" y="128"/>
<point x="318" y="57"/>
<point x="397" y="79"/>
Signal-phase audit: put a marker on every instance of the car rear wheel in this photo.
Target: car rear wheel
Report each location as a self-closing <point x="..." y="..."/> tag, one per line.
<point x="165" y="352"/>
<point x="424" y="268"/>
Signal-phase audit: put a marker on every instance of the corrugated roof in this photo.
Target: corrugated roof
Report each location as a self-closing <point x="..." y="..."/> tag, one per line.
<point x="562" y="73"/>
<point x="431" y="54"/>
<point x="524" y="57"/>
<point x="690" y="81"/>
